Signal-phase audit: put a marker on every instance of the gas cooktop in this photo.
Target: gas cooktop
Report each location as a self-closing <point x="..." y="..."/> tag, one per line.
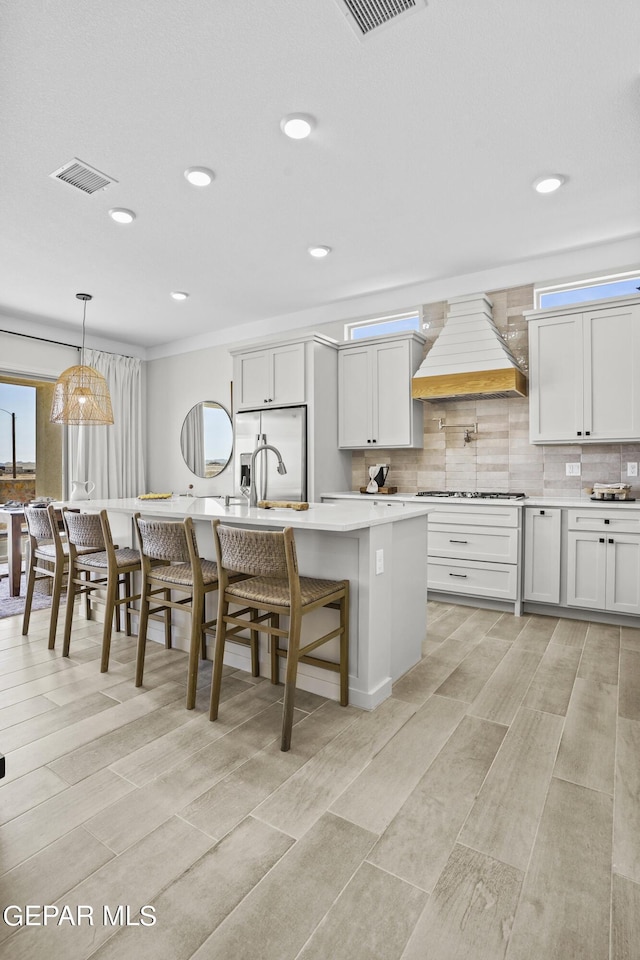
<point x="472" y="494"/>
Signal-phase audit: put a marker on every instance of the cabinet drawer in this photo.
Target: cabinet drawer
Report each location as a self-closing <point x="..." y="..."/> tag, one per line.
<point x="473" y="543"/>
<point x="614" y="520"/>
<point x="496" y="580"/>
<point x="476" y="516"/>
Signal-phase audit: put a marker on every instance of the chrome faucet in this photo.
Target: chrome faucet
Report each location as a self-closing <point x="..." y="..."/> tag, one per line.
<point x="253" y="498"/>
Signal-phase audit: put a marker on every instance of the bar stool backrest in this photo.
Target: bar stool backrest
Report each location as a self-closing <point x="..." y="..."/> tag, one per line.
<point x="84" y="529"/>
<point x="257" y="553"/>
<point x="166" y="540"/>
<point x="38" y="523"/>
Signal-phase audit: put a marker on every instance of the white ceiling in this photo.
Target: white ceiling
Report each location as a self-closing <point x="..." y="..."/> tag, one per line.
<point x="429" y="135"/>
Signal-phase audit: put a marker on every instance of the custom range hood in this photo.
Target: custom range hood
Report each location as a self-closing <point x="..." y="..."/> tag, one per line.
<point x="469" y="359"/>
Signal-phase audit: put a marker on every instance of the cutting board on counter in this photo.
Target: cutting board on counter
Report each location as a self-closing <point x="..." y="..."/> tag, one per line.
<point x="291" y="505"/>
<point x="385" y="491"/>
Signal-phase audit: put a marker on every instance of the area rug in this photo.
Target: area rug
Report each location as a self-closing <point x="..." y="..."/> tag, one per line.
<point x="14" y="606"/>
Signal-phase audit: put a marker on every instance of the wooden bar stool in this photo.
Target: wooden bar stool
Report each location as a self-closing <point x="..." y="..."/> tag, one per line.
<point x="170" y="562"/>
<point x="47" y="547"/>
<point x="92" y="553"/>
<point x="268" y="559"/>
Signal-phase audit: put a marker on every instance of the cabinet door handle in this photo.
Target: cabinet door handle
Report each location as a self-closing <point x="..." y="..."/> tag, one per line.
<point x="462" y="576"/>
<point x="587" y="433"/>
<point x="607" y="521"/>
<point x="374" y="441"/>
<point x="601" y="540"/>
<point x="368" y="441"/>
<point x="458" y="541"/>
<point x="579" y="433"/>
<point x="542" y="513"/>
<point x="610" y="540"/>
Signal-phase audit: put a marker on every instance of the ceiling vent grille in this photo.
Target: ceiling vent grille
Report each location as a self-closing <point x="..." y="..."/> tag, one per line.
<point x="365" y="16"/>
<point x="79" y="174"/>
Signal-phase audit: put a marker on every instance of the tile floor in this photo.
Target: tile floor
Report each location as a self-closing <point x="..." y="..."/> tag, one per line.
<point x="490" y="808"/>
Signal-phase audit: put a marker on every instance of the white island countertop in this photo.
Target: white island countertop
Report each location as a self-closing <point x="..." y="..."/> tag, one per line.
<point x="336" y="517"/>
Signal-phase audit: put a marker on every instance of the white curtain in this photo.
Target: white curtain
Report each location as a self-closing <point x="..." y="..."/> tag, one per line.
<point x="113" y="457"/>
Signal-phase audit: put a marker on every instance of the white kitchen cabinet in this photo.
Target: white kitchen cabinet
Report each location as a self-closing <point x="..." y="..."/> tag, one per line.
<point x="542" y="551"/>
<point x="603" y="563"/>
<point x="374" y="389"/>
<point x="474" y="550"/>
<point x="270" y="376"/>
<point x="584" y="381"/>
<point x="302" y="370"/>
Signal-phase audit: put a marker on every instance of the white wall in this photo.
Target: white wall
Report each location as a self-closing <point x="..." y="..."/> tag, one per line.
<point x="34" y="358"/>
<point x="174" y="385"/>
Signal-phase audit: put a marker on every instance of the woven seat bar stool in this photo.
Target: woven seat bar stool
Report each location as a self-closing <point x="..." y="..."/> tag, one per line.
<point x="47" y="547"/>
<point x="268" y="560"/>
<point x="170" y="562"/>
<point x="96" y="563"/>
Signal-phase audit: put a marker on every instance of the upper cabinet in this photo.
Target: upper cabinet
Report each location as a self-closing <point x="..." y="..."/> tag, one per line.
<point x="374" y="391"/>
<point x="271" y="375"/>
<point x="585" y="373"/>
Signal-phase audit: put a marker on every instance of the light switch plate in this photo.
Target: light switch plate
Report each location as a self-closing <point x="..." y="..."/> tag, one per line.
<point x="632" y="469"/>
<point x="573" y="469"/>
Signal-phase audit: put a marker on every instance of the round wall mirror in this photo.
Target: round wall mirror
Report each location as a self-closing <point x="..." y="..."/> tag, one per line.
<point x="207" y="439"/>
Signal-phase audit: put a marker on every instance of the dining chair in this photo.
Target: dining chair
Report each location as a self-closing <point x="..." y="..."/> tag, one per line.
<point x="273" y="585"/>
<point x="96" y="566"/>
<point x="48" y="556"/>
<point x="171" y="562"/>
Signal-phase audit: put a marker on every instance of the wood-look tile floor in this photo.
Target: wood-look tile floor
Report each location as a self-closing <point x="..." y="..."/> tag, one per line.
<point x="489" y="809"/>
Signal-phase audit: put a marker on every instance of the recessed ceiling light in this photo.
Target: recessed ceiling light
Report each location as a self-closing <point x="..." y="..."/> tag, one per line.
<point x="319" y="252"/>
<point x="120" y="215"/>
<point x="549" y="183"/>
<point x="297" y="125"/>
<point x="199" y="176"/>
<point x="179" y="295"/>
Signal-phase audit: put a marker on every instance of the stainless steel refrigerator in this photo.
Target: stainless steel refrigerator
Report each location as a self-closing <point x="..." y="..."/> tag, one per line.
<point x="284" y="428"/>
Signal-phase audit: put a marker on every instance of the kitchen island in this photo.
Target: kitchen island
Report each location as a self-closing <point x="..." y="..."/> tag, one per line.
<point x="381" y="551"/>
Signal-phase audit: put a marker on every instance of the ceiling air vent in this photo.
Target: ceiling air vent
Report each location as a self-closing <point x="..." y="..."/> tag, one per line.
<point x="365" y="16"/>
<point x="79" y="174"/>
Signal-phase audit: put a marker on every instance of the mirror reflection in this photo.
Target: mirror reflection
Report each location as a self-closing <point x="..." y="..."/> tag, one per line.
<point x="207" y="439"/>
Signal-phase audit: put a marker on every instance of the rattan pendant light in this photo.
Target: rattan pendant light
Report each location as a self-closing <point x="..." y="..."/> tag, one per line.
<point x="81" y="395"/>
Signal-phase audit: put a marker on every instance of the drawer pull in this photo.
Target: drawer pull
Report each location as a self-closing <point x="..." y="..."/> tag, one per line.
<point x="601" y="540"/>
<point x="462" y="576"/>
<point x="542" y="513"/>
<point x="607" y="521"/>
<point x="610" y="539"/>
<point x="458" y="541"/>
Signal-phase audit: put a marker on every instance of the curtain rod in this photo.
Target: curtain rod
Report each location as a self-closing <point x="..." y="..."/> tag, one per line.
<point x="59" y="343"/>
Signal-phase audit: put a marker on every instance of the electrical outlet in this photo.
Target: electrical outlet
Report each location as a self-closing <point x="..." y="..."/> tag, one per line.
<point x="573" y="469"/>
<point x="632" y="469"/>
<point x="379" y="561"/>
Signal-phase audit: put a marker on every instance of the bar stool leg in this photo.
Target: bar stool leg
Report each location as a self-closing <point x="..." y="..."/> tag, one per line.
<point x="295" y="623"/>
<point x="167" y="621"/>
<point x="127" y="608"/>
<point x="110" y="608"/>
<point x="197" y="612"/>
<point x="275" y="646"/>
<point x="31" y="579"/>
<point x="55" y="603"/>
<point x="142" y="633"/>
<point x="218" y="656"/>
<point x="255" y="647"/>
<point x="344" y="648"/>
<point x="68" y="614"/>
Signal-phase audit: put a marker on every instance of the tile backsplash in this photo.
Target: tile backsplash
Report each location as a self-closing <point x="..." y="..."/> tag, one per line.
<point x="499" y="456"/>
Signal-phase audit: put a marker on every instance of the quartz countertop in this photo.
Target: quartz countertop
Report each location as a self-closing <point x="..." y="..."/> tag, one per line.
<point x="337" y="517"/>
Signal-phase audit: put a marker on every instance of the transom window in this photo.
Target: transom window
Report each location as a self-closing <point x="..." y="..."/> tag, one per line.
<point x="584" y="291"/>
<point x="379" y="326"/>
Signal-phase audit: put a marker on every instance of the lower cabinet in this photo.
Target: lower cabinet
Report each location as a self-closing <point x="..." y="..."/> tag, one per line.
<point x="542" y="550"/>
<point x="603" y="571"/>
<point x="473" y="551"/>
